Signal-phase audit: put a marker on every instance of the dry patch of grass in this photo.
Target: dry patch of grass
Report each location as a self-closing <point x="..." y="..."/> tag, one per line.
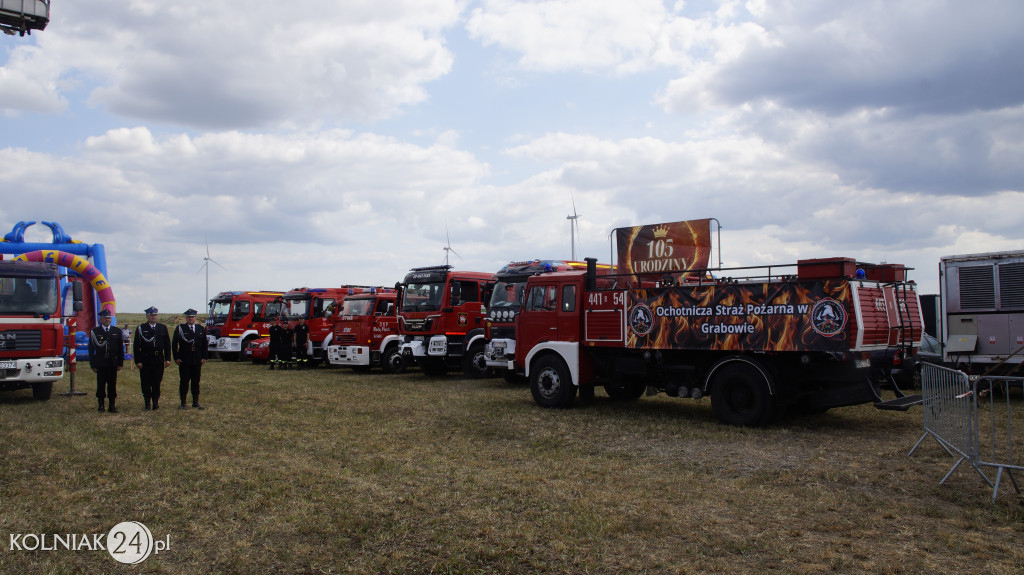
<point x="327" y="471"/>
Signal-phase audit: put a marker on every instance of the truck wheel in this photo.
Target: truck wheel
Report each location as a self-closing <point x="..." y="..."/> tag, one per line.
<point x="474" y="364"/>
<point x="41" y="391"/>
<point x="392" y="362"/>
<point x="628" y="391"/>
<point x="551" y="383"/>
<point x="740" y="396"/>
<point x="228" y="356"/>
<point x="433" y="367"/>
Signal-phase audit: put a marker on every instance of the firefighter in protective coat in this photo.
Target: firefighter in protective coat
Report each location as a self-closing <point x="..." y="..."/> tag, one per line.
<point x="189" y="349"/>
<point x="106" y="356"/>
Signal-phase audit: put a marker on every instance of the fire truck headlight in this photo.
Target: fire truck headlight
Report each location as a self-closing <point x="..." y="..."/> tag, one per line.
<point x="55" y="363"/>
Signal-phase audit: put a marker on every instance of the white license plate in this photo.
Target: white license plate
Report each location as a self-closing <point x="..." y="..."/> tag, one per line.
<point x="8" y="365"/>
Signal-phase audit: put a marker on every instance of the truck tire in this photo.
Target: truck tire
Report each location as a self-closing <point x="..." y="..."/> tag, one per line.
<point x="228" y="355"/>
<point x="740" y="395"/>
<point x="392" y="360"/>
<point x="41" y="391"/>
<point x="474" y="364"/>
<point x="551" y="383"/>
<point x="627" y="391"/>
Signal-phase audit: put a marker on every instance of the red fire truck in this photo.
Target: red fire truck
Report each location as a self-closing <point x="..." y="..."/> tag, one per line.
<point x="318" y="306"/>
<point x="755" y="344"/>
<point x="440" y="318"/>
<point x="32" y="331"/>
<point x="238" y="317"/>
<point x="366" y="332"/>
<point x="507" y="300"/>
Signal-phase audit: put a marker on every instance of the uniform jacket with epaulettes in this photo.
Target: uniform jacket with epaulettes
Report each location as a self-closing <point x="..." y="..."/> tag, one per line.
<point x="188" y="346"/>
<point x="106" y="347"/>
<point x="151" y="344"/>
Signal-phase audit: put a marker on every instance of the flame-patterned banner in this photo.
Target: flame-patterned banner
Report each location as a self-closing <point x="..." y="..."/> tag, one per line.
<point x="664" y="248"/>
<point x="789" y="316"/>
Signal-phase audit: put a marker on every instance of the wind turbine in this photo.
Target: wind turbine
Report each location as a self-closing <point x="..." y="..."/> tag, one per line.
<point x="206" y="266"/>
<point x="572" y="227"/>
<point x="448" y="248"/>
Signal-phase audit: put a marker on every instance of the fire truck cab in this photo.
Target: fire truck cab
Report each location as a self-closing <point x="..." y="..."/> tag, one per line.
<point x="506" y="301"/>
<point x="440" y="319"/>
<point x="238" y="317"/>
<point x="318" y="306"/>
<point x="366" y="332"/>
<point x="32" y="331"/>
<point x="754" y="344"/>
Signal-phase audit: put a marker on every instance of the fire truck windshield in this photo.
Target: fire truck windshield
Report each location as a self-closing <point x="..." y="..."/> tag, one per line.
<point x="272" y="310"/>
<point x="357" y="307"/>
<point x="30" y="295"/>
<point x="422" y="296"/>
<point x="298" y="307"/>
<point x="508" y="295"/>
<point x="220" y="308"/>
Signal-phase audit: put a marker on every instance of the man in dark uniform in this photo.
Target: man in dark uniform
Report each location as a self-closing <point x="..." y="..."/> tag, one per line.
<point x="106" y="356"/>
<point x="276" y="335"/>
<point x="189" y="348"/>
<point x="152" y="346"/>
<point x="287" y="339"/>
<point x="301" y="337"/>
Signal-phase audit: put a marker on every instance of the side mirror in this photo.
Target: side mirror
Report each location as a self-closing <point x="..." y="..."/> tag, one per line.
<point x="78" y="305"/>
<point x="76" y="292"/>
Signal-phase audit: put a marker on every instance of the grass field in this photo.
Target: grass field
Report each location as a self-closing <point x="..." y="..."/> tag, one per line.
<point x="328" y="471"/>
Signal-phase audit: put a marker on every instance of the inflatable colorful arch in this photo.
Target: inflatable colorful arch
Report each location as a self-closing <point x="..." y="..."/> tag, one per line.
<point x="81" y="266"/>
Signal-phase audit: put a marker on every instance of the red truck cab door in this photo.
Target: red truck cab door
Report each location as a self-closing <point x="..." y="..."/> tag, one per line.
<point x="550" y="314"/>
<point x="538" y="322"/>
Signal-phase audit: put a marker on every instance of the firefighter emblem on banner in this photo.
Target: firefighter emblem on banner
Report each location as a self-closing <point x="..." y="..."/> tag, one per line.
<point x="640" y="319"/>
<point x="828" y="317"/>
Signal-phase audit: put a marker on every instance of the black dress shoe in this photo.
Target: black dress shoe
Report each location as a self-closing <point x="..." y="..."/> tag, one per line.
<point x="183" y="406"/>
<point x="197" y="406"/>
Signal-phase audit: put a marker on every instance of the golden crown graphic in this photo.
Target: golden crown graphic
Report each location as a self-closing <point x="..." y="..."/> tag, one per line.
<point x="661" y="232"/>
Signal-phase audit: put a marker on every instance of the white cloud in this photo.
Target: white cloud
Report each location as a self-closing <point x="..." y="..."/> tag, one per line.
<point x="240" y="64"/>
<point x="573" y="34"/>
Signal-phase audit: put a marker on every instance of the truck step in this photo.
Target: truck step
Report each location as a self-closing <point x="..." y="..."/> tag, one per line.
<point x="900" y="403"/>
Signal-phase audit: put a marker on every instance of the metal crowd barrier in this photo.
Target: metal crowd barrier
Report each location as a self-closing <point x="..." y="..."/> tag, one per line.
<point x="973" y="422"/>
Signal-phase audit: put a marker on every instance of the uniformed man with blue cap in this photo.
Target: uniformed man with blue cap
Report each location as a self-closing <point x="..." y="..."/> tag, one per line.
<point x="189" y="349"/>
<point x="152" y="345"/>
<point x="106" y="356"/>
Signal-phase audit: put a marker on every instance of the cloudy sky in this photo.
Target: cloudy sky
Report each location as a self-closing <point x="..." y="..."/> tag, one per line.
<point x="320" y="142"/>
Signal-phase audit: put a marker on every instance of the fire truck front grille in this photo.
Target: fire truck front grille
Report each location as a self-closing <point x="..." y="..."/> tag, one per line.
<point x="21" y="340"/>
<point x="416" y="324"/>
<point x="503" y="332"/>
<point x="347" y="339"/>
